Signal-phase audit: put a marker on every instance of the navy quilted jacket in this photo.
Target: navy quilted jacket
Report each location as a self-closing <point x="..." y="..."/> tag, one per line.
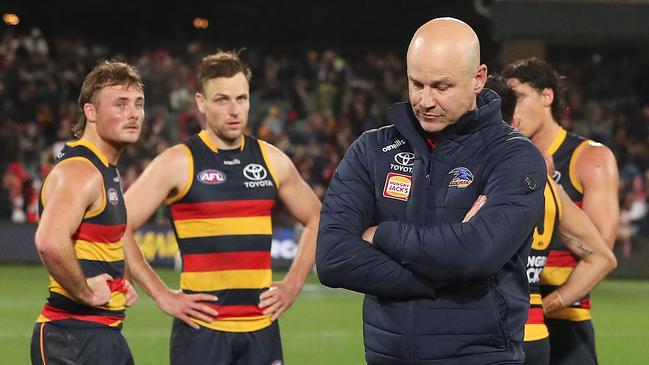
<point x="438" y="291"/>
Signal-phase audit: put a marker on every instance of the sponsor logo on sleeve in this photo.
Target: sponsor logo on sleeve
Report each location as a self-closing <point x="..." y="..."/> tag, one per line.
<point x="397" y="186"/>
<point x="211" y="177"/>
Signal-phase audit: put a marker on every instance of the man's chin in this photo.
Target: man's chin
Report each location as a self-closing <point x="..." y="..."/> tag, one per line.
<point x="432" y="127"/>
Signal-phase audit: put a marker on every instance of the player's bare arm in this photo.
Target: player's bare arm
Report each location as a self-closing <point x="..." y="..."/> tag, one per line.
<point x="163" y="178"/>
<point x="73" y="188"/>
<point x="597" y="172"/>
<point x="304" y="206"/>
<point x="583" y="239"/>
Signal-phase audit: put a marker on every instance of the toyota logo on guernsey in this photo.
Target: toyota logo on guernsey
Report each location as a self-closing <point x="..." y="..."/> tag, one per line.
<point x="404" y="162"/>
<point x="211" y="177"/>
<point x="257" y="173"/>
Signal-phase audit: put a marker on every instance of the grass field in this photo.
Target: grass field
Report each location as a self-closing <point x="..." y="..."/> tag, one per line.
<point x="323" y="326"/>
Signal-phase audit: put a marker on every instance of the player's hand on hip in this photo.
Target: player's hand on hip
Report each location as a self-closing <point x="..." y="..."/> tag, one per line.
<point x="131" y="293"/>
<point x="482" y="199"/>
<point x="100" y="290"/>
<point x="187" y="306"/>
<point x="278" y="298"/>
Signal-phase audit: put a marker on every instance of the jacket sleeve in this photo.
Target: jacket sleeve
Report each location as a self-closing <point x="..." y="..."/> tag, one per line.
<point x="343" y="258"/>
<point x="482" y="246"/>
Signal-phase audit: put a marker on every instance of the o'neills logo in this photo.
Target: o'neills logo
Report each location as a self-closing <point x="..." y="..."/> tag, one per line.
<point x="397" y="186"/>
<point x="211" y="177"/>
<point x="390" y="147"/>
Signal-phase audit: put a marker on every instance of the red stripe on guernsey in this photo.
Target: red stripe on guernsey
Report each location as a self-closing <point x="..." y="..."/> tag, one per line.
<point x="254" y="260"/>
<point x="229" y="311"/>
<point x="579" y="203"/>
<point x="117" y="285"/>
<point x="535" y="316"/>
<point x="99" y="233"/>
<point x="56" y="314"/>
<point x="585" y="303"/>
<point x="222" y="209"/>
<point x="561" y="259"/>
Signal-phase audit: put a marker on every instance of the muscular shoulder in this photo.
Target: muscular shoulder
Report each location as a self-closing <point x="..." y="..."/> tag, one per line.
<point x="595" y="162"/>
<point x="78" y="176"/>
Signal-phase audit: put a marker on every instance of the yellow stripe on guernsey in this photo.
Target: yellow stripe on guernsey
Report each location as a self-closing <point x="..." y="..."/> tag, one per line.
<point x="238" y="324"/>
<point x="190" y="177"/>
<point x="555" y="275"/>
<point x="572" y="168"/>
<point x="263" y="146"/>
<point x="117" y="299"/>
<point x="190" y="228"/>
<point x="572" y="314"/>
<point x="108" y="252"/>
<point x="556" y="143"/>
<point x="535" y="332"/>
<point x="226" y="279"/>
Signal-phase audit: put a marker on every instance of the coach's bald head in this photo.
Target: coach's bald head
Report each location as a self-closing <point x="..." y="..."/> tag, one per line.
<point x="444" y="72"/>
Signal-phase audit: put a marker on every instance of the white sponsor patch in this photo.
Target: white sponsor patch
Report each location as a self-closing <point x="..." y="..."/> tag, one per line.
<point x="397" y="186"/>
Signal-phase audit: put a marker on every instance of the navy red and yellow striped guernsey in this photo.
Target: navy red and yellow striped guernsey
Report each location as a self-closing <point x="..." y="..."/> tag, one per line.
<point x="97" y="244"/>
<point x="222" y="222"/>
<point x="544" y="237"/>
<point x="561" y="262"/>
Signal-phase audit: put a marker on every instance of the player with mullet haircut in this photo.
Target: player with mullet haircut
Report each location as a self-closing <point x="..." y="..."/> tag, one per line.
<point x="82" y="222"/>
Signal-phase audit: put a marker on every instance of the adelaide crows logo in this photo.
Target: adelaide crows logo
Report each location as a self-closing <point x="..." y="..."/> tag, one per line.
<point x="462" y="177"/>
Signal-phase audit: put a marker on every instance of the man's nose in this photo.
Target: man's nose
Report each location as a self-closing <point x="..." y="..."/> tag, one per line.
<point x="427" y="98"/>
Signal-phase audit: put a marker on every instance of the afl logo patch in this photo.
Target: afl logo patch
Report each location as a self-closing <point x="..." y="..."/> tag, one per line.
<point x="113" y="198"/>
<point x="397" y="186"/>
<point x="211" y="177"/>
<point x="462" y="177"/>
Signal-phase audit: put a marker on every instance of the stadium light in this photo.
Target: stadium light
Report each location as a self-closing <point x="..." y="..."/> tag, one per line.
<point x="11" y="19"/>
<point x="200" y="23"/>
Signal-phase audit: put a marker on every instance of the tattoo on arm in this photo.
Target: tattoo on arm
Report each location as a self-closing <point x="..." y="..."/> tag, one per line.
<point x="581" y="249"/>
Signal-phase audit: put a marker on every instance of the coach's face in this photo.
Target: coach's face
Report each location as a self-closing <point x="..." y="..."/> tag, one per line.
<point x="225" y="102"/>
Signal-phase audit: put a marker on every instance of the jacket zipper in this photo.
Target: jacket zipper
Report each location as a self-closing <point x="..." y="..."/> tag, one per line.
<point x="503" y="326"/>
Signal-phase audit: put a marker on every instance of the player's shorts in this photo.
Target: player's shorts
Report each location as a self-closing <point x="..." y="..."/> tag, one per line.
<point x="208" y="346"/>
<point x="537" y="352"/>
<point x="571" y="342"/>
<point x="55" y="344"/>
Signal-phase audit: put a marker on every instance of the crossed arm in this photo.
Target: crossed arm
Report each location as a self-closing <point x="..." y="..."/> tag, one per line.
<point x="582" y="238"/>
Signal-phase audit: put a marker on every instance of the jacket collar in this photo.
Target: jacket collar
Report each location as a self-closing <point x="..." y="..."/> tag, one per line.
<point x="487" y="113"/>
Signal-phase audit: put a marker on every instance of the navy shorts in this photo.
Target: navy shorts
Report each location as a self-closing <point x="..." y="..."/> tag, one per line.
<point x="53" y="344"/>
<point x="537" y="352"/>
<point x="207" y="346"/>
<point x="571" y="342"/>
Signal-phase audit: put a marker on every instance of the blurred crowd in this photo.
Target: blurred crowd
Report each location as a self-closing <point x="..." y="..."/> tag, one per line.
<point x="312" y="105"/>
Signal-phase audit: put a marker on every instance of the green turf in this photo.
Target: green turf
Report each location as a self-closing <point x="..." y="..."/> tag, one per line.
<point x="322" y="327"/>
